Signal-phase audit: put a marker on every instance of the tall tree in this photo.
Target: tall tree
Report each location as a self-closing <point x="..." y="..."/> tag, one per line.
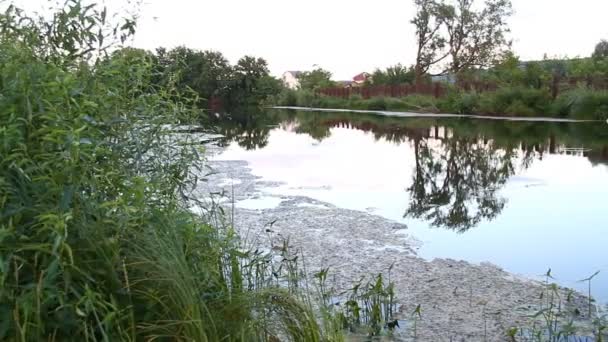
<point x="205" y="72"/>
<point x="252" y="82"/>
<point x="428" y="35"/>
<point x="601" y="50"/>
<point x="459" y="32"/>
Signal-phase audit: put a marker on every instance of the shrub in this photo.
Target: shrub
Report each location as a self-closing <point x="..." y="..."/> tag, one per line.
<point x="377" y="103"/>
<point x="519" y="108"/>
<point x="288" y="97"/>
<point x="583" y="104"/>
<point x="305" y="98"/>
<point x="466" y="103"/>
<point x="537" y="101"/>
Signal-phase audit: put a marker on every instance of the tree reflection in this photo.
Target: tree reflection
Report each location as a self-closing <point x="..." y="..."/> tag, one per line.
<point x="248" y="128"/>
<point x="456" y="184"/>
<point x="460" y="165"/>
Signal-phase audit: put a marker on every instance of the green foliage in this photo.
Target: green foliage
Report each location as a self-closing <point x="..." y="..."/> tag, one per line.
<point x="287" y="97"/>
<point x="96" y="239"/>
<point x="583" y="104"/>
<point x="205" y="72"/>
<point x="601" y="50"/>
<point x="376" y="103"/>
<point x="251" y="82"/>
<point x="208" y="74"/>
<point x="316" y="79"/>
<point x="305" y="98"/>
<point x="466" y="34"/>
<point x="393" y="75"/>
<point x="521" y="101"/>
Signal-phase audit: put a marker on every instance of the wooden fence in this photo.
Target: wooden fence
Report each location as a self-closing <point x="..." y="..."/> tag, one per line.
<point x="556" y="86"/>
<point x="401" y="90"/>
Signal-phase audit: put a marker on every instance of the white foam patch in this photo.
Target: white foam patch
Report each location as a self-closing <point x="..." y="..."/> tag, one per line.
<point x="311" y="205"/>
<point x="229" y="182"/>
<point x="259" y="203"/>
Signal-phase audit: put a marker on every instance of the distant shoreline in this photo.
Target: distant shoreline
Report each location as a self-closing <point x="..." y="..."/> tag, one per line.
<point x="436" y="115"/>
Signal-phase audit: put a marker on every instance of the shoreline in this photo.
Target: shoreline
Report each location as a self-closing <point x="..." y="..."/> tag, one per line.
<point x="436" y="115"/>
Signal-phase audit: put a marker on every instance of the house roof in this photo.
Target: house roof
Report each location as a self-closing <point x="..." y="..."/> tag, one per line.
<point x="361" y="77"/>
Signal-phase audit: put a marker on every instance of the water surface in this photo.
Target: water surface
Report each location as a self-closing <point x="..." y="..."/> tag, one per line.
<point x="527" y="196"/>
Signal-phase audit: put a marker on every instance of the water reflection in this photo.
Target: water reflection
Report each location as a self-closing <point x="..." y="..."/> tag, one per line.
<point x="456" y="183"/>
<point x="460" y="165"/>
<point x="249" y="128"/>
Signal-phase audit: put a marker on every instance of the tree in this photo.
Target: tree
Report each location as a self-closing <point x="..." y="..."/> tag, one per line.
<point x="428" y="36"/>
<point x="251" y="82"/>
<point x="316" y="79"/>
<point x="393" y="75"/>
<point x="456" y="32"/>
<point x="601" y="50"/>
<point x="205" y="72"/>
<point x="475" y="38"/>
<point x="252" y="67"/>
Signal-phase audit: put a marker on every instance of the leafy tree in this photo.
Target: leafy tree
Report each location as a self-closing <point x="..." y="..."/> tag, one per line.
<point x="601" y="50"/>
<point x="475" y="38"/>
<point x="316" y="79"/>
<point x="459" y="33"/>
<point x="251" y="82"/>
<point x="430" y="42"/>
<point x="508" y="71"/>
<point x="205" y="72"/>
<point x="393" y="75"/>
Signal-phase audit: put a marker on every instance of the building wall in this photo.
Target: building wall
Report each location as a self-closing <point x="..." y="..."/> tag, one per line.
<point x="290" y="80"/>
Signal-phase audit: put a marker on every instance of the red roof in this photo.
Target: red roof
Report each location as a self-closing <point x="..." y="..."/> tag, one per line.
<point x="361" y="77"/>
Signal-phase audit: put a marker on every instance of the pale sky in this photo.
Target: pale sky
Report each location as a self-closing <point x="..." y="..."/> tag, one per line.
<point x="349" y="36"/>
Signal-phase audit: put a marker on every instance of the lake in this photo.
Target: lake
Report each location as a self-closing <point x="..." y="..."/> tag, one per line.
<point x="526" y="196"/>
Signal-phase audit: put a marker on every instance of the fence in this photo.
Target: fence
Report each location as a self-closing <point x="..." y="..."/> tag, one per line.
<point x="401" y="90"/>
<point x="556" y="86"/>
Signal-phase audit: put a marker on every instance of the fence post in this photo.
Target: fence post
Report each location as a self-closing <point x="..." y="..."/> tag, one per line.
<point x="555" y="86"/>
<point x="436" y="90"/>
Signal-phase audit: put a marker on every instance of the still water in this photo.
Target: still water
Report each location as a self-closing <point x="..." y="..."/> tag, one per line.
<point x="524" y="196"/>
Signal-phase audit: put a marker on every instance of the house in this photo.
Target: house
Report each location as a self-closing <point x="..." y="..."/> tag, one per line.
<point x="291" y="79"/>
<point x="361" y="78"/>
<point x="447" y="78"/>
<point x="345" y="84"/>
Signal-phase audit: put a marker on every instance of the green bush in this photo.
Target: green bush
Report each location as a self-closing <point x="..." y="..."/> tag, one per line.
<point x="288" y="97"/>
<point x="583" y="104"/>
<point x="536" y="101"/>
<point x="519" y="108"/>
<point x="305" y="98"/>
<point x="96" y="240"/>
<point x="465" y="103"/>
<point x="376" y="103"/>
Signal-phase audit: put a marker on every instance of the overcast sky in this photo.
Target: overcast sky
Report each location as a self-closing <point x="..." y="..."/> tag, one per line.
<point x="349" y="36"/>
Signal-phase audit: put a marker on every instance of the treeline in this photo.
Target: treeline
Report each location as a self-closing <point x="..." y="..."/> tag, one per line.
<point x="465" y="45"/>
<point x="208" y="75"/>
<point x="568" y="88"/>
